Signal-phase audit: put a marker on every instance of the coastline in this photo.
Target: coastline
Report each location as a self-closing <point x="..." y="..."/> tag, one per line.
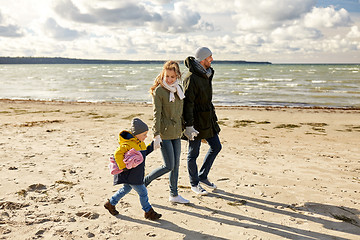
<point x="149" y="104"/>
<point x="284" y="172"/>
<point x="61" y="60"/>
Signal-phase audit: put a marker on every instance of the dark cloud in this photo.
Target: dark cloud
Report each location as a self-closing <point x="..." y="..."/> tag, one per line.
<point x="10" y="30"/>
<point x="67" y="9"/>
<point x="137" y="15"/>
<point x="179" y="20"/>
<point x="53" y="29"/>
<point x="129" y="14"/>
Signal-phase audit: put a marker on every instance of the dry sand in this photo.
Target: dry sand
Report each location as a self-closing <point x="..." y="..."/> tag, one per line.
<point x="283" y="173"/>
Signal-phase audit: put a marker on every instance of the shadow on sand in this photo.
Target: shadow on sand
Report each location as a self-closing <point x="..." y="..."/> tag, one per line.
<point x="349" y="224"/>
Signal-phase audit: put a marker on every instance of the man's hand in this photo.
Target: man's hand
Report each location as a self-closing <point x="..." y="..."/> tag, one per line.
<point x="190" y="133"/>
<point x="157" y="141"/>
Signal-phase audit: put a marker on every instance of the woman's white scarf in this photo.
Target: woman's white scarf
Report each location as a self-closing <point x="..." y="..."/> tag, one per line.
<point x="173" y="88"/>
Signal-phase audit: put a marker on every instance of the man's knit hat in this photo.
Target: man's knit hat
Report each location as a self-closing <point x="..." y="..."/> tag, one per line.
<point x="201" y="53"/>
<point x="138" y="126"/>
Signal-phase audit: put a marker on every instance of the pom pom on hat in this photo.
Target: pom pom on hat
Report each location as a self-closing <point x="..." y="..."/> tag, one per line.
<point x="138" y="126"/>
<point x="201" y="53"/>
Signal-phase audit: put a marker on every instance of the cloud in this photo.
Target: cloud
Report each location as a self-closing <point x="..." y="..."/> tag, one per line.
<point x="182" y="19"/>
<point x="166" y="1"/>
<point x="354" y="32"/>
<point x="52" y="28"/>
<point x="289" y="27"/>
<point x="327" y="17"/>
<point x="276" y="31"/>
<point x="211" y="6"/>
<point x="266" y="15"/>
<point x="9" y="30"/>
<point x="67" y="9"/>
<point x="128" y="14"/>
<point x="295" y="32"/>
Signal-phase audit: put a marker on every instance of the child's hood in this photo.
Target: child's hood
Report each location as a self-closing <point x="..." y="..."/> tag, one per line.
<point x="126" y="136"/>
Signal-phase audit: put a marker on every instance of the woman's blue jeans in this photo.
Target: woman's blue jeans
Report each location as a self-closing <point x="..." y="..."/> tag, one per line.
<point x="170" y="151"/>
<point x="193" y="153"/>
<point x="140" y="189"/>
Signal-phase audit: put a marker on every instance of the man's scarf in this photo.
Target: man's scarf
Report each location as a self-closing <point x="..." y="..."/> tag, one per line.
<point x="201" y="68"/>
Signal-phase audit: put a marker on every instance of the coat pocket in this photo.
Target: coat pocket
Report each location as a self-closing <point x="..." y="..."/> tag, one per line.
<point x="203" y="121"/>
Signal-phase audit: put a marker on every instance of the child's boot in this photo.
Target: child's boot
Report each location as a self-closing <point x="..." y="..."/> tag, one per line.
<point x="152" y="215"/>
<point x="111" y="208"/>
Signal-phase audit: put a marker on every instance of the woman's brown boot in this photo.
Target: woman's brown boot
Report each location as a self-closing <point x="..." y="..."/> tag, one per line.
<point x="152" y="215"/>
<point x="111" y="208"/>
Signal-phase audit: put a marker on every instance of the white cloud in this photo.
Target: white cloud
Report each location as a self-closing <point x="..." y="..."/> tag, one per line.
<point x="211" y="6"/>
<point x="327" y="17"/>
<point x="264" y="14"/>
<point x="181" y="20"/>
<point x="354" y="32"/>
<point x="295" y="32"/>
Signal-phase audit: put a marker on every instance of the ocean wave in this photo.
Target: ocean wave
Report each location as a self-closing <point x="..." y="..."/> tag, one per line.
<point x="278" y="79"/>
<point x="287" y="85"/>
<point x="131" y="87"/>
<point x="318" y="81"/>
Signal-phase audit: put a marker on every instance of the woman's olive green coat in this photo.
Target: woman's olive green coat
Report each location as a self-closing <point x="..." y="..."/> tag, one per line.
<point x="167" y="115"/>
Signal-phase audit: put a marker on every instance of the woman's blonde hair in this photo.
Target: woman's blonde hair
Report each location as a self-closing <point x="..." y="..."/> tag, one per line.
<point x="169" y="65"/>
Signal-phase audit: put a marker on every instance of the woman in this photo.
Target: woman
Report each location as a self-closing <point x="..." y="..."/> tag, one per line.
<point x="168" y="107"/>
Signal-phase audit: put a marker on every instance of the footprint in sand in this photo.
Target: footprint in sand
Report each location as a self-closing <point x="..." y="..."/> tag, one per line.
<point x="88" y="215"/>
<point x="37" y="187"/>
<point x="12" y="205"/>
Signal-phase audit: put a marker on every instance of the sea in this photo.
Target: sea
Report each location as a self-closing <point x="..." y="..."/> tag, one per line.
<point x="284" y="85"/>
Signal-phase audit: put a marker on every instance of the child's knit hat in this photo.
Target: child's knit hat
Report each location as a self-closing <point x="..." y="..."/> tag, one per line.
<point x="201" y="53"/>
<point x="138" y="126"/>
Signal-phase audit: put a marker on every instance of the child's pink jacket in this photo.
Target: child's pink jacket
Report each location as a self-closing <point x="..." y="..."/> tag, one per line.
<point x="132" y="159"/>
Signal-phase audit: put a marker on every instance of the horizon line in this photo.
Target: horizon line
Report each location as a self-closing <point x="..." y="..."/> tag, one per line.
<point x="153" y="60"/>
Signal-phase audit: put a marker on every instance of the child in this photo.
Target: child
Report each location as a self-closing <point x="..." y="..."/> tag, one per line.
<point x="132" y="178"/>
<point x="168" y="108"/>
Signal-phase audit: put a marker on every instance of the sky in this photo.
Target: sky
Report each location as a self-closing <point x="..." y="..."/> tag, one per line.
<point x="278" y="31"/>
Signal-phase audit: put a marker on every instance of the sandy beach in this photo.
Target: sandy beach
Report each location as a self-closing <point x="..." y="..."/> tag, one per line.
<point x="283" y="173"/>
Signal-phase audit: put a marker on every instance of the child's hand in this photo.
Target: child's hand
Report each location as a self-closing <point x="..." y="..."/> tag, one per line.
<point x="157" y="141"/>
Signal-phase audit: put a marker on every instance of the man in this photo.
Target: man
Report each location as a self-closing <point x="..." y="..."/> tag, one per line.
<point x="200" y="118"/>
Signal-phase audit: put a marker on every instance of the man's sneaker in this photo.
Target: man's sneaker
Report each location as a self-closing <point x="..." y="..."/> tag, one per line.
<point x="178" y="199"/>
<point x="209" y="184"/>
<point x="199" y="190"/>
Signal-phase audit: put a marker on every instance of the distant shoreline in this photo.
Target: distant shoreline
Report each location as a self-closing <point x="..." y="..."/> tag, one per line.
<point x="59" y="60"/>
